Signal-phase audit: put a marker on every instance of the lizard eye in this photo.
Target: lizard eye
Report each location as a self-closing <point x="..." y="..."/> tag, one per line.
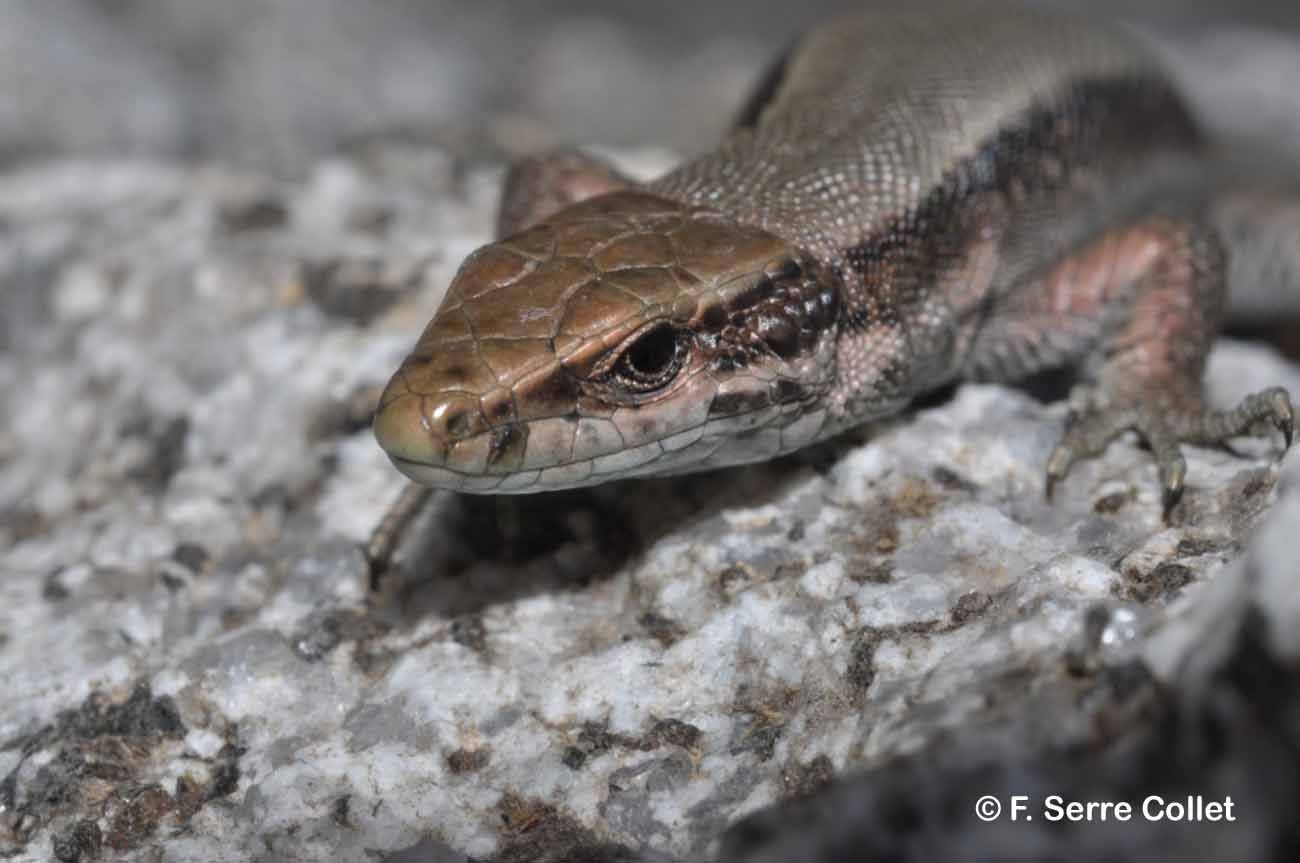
<point x="651" y="359"/>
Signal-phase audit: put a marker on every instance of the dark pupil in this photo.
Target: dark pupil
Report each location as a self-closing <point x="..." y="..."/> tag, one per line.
<point x="653" y="354"/>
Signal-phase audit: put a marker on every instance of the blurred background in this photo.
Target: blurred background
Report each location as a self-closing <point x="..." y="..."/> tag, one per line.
<point x="274" y="84"/>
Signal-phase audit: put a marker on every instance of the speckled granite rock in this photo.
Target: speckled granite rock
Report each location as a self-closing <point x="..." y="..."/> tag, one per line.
<point x="195" y="669"/>
<point x="1209" y="708"/>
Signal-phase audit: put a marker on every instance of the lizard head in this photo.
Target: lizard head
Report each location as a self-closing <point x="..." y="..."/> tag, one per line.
<point x="626" y="335"/>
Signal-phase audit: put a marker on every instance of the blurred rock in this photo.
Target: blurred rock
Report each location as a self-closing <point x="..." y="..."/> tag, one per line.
<point x="279" y="84"/>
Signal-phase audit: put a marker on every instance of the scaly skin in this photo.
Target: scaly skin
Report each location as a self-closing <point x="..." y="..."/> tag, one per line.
<point x="916" y="198"/>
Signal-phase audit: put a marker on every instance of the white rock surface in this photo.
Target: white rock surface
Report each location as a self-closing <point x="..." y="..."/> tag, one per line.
<point x="194" y="667"/>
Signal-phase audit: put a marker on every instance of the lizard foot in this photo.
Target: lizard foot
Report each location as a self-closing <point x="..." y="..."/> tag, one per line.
<point x="385" y="538"/>
<point x="1095" y="421"/>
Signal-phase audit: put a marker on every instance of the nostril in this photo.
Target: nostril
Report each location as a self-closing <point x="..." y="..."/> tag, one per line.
<point x="458" y="424"/>
<point x="455" y="419"/>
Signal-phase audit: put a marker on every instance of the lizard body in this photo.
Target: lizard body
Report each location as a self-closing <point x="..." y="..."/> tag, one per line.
<point x="912" y="198"/>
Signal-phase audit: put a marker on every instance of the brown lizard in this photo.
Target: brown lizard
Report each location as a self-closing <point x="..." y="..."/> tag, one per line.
<point x="910" y="198"/>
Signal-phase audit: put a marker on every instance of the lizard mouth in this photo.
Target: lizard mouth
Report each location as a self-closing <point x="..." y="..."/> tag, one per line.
<point x="735" y="438"/>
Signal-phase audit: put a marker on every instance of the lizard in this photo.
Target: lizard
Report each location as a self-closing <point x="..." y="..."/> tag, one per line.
<point x="909" y="199"/>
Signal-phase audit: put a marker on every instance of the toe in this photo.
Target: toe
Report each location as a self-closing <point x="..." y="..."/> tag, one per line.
<point x="1283" y="413"/>
<point x="1058" y="465"/>
<point x="1173" y="474"/>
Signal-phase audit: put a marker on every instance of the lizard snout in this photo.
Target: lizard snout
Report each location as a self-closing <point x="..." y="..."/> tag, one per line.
<point x="429" y="415"/>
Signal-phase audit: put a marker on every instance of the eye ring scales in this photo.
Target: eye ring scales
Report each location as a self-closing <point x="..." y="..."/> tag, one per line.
<point x="649" y="360"/>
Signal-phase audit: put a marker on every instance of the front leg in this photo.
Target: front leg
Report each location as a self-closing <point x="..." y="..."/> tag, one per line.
<point x="540" y="186"/>
<point x="1140" y="305"/>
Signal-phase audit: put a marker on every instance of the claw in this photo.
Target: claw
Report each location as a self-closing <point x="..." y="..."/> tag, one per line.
<point x="375" y="568"/>
<point x="1171" y="498"/>
<point x="1283" y="413"/>
<point x="1058" y="465"/>
<point x="1172" y="477"/>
